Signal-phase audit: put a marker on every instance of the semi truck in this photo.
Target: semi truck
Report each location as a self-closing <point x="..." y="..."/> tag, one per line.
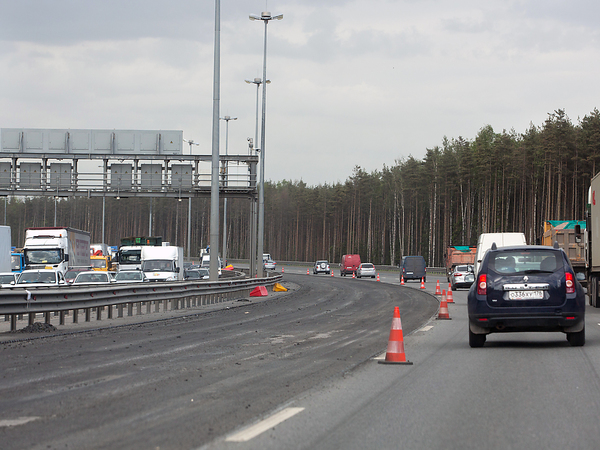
<point x="5" y="249"/>
<point x="56" y="248"/>
<point x="568" y="235"/>
<point x="163" y="263"/>
<point x="458" y="255"/>
<point x="129" y="255"/>
<point x="591" y="240"/>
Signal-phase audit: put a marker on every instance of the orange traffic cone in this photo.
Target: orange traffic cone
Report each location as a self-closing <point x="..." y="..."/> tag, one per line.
<point x="282" y="271"/>
<point x="422" y="283"/>
<point x="437" y="288"/>
<point x="449" y="297"/>
<point x="395" y="349"/>
<point x="402" y="281"/>
<point x="307" y="272"/>
<point x="353" y="275"/>
<point x="443" y="313"/>
<point x="332" y="273"/>
<point x="378" y="277"/>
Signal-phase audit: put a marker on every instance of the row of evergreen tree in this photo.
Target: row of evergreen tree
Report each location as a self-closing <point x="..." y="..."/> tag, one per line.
<point x="495" y="182"/>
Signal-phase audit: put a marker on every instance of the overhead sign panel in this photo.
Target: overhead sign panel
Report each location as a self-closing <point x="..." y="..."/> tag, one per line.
<point x="103" y="142"/>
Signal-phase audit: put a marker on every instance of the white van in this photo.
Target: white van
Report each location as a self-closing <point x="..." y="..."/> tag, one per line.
<point x="501" y="239"/>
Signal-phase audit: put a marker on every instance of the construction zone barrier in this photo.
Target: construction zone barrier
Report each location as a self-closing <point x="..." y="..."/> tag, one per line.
<point x="395" y="349"/>
<point x="279" y="288"/>
<point x="259" y="291"/>
<point x="443" y="313"/>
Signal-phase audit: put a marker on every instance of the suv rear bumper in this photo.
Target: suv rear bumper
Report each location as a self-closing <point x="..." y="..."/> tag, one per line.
<point x="507" y="323"/>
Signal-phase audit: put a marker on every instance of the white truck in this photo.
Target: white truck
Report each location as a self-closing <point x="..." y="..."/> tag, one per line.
<point x="162" y="263"/>
<point x="129" y="257"/>
<point x="56" y="248"/>
<point x="5" y="249"/>
<point x="501" y="239"/>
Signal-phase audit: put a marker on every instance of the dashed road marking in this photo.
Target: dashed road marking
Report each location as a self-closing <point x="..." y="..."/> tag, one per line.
<point x="18" y="421"/>
<point x="264" y="425"/>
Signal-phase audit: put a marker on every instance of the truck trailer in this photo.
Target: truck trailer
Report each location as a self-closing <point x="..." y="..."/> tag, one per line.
<point x="458" y="255"/>
<point x="568" y="235"/>
<point x="56" y="248"/>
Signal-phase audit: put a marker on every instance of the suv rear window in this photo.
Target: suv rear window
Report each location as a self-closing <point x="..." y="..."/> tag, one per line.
<point x="519" y="261"/>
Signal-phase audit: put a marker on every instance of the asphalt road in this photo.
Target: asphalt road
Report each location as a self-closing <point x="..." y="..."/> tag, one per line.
<point x="520" y="391"/>
<point x="191" y="380"/>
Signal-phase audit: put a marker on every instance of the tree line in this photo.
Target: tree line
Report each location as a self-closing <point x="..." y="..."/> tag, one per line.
<point x="495" y="182"/>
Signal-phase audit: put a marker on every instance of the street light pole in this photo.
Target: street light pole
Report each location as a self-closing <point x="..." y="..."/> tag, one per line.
<point x="214" y="185"/>
<point x="225" y="167"/>
<point x="265" y="17"/>
<point x="253" y="213"/>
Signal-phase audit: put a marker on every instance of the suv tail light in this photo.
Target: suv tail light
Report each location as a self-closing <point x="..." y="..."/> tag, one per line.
<point x="482" y="284"/>
<point x="570" y="283"/>
<point x="456" y="274"/>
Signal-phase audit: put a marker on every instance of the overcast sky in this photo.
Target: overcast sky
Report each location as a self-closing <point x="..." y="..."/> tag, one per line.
<point x="364" y="82"/>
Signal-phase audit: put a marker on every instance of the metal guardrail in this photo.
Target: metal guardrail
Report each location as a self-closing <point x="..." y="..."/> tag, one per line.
<point x="156" y="297"/>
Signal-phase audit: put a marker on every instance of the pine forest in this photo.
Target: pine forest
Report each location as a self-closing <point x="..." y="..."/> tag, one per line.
<point x="494" y="182"/>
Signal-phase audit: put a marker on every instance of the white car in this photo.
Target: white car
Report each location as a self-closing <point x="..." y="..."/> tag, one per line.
<point x="366" y="270"/>
<point x="130" y="276"/>
<point x="93" y="277"/>
<point x="40" y="278"/>
<point x="321" y="267"/>
<point x="8" y="279"/>
<point x="270" y="264"/>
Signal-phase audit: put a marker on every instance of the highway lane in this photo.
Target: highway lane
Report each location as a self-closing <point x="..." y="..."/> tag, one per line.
<point x="521" y="390"/>
<point x="184" y="382"/>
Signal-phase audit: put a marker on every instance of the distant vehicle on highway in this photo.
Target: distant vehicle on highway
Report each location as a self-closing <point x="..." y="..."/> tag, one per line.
<point x="201" y="273"/>
<point x="526" y="288"/>
<point x="366" y="270"/>
<point x="321" y="267"/>
<point x="349" y="264"/>
<point x="462" y="277"/>
<point x="8" y="279"/>
<point x="270" y="264"/>
<point x="41" y="278"/>
<point x="130" y="276"/>
<point x="413" y="268"/>
<point x="72" y="273"/>
<point x="93" y="277"/>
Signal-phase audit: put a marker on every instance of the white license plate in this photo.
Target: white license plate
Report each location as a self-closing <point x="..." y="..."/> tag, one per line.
<point x="526" y="295"/>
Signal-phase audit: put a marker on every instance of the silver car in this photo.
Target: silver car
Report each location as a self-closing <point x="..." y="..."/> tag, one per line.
<point x="130" y="276"/>
<point x="366" y="270"/>
<point x="93" y="277"/>
<point x="462" y="277"/>
<point x="321" y="267"/>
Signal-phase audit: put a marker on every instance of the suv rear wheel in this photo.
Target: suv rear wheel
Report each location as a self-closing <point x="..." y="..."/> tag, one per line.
<point x="477" y="340"/>
<point x="576" y="339"/>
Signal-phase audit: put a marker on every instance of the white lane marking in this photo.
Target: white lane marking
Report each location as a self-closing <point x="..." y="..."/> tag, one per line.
<point x="264" y="425"/>
<point x="15" y="422"/>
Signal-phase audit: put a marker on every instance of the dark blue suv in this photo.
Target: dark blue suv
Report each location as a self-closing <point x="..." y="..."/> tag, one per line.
<point x="526" y="288"/>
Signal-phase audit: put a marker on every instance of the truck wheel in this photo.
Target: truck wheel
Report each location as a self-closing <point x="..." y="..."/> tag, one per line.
<point x="593" y="291"/>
